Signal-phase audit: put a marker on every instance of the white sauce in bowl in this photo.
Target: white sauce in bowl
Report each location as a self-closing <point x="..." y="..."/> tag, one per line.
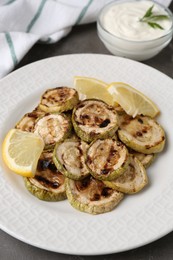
<point x="123" y="20"/>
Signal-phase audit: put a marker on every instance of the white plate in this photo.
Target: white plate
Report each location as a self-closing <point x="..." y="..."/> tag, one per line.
<point x="139" y="219"/>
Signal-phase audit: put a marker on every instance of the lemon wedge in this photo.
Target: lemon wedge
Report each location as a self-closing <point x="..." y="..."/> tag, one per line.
<point x="21" y="151"/>
<point x="132" y="101"/>
<point x="93" y="88"/>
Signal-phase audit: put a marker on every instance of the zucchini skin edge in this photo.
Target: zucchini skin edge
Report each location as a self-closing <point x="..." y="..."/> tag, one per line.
<point x="44" y="194"/>
<point x="87" y="208"/>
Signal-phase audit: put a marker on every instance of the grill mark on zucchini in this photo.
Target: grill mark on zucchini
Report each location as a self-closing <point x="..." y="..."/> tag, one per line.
<point x="83" y="184"/>
<point x="140" y="120"/>
<point x="113" y="156"/>
<point x="106" y="159"/>
<point x="156" y="143"/>
<point x="63" y="94"/>
<point x="93" y="119"/>
<point x="80" y="155"/>
<point x="47" y="171"/>
<point x="95" y="197"/>
<point x="144" y="130"/>
<point x="44" y="164"/>
<point x="105" y="123"/>
<point x="45" y="182"/>
<point x="83" y="117"/>
<point x="96" y="189"/>
<point x="126" y="120"/>
<point x="105" y="171"/>
<point x="106" y="192"/>
<point x="59" y="99"/>
<point x="138" y="133"/>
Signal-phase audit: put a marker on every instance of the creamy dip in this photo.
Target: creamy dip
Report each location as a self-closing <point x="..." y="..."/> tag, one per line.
<point x="123" y="20"/>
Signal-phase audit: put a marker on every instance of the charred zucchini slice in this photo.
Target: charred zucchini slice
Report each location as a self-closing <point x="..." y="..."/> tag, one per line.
<point x="132" y="180"/>
<point x="59" y="99"/>
<point x="106" y="159"/>
<point x="94" y="119"/>
<point x="69" y="158"/>
<point x="142" y="134"/>
<point x="92" y="196"/>
<point x="28" y="121"/>
<point x="53" y="128"/>
<point x="48" y="183"/>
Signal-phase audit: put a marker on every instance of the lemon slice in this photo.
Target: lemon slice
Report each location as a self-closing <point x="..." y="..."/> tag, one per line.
<point x="93" y="88"/>
<point x="131" y="100"/>
<point x="21" y="151"/>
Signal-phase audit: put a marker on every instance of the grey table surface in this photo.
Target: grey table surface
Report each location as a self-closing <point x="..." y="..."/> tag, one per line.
<point x="84" y="39"/>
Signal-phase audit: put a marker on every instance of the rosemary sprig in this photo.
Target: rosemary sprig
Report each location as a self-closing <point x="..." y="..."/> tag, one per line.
<point x="151" y="19"/>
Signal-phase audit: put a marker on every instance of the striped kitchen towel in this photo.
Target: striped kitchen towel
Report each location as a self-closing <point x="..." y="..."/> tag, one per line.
<point x="25" y="22"/>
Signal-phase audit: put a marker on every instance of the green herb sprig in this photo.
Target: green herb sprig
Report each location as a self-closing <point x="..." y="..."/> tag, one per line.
<point x="152" y="19"/>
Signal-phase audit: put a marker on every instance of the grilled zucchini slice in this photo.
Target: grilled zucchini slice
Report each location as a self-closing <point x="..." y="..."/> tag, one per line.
<point x="145" y="159"/>
<point x="92" y="196"/>
<point x="53" y="128"/>
<point x="143" y="134"/>
<point x="94" y="119"/>
<point x="107" y="159"/>
<point x="69" y="158"/>
<point x="59" y="99"/>
<point x="28" y="121"/>
<point x="48" y="183"/>
<point x="132" y="180"/>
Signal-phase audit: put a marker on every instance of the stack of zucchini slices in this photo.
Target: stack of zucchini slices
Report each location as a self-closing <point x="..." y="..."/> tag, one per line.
<point x="94" y="153"/>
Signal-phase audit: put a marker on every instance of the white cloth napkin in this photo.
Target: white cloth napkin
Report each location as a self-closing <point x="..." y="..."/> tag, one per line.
<point x="25" y="22"/>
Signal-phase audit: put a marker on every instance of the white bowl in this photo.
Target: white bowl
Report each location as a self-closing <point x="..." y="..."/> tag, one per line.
<point x="137" y="50"/>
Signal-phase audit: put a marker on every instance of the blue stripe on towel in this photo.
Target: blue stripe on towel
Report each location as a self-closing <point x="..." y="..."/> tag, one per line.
<point x="83" y="12"/>
<point x="11" y="47"/>
<point x="36" y="16"/>
<point x="10" y="2"/>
